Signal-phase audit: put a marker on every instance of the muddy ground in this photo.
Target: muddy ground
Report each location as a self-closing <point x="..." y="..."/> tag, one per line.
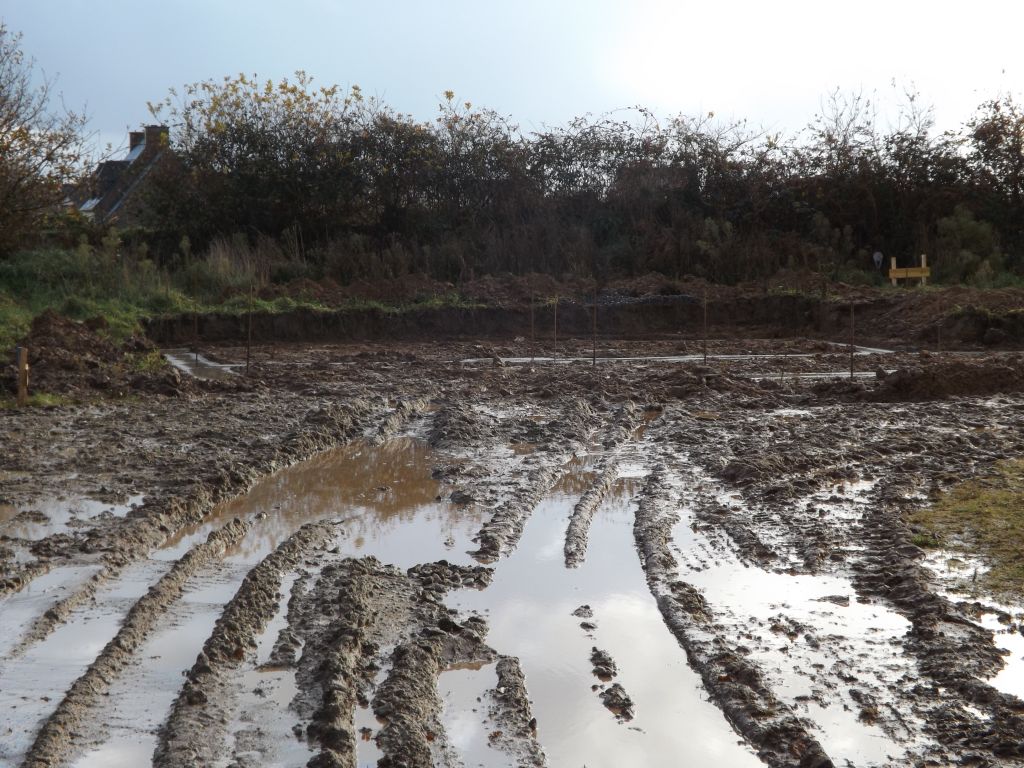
<point x="501" y="554"/>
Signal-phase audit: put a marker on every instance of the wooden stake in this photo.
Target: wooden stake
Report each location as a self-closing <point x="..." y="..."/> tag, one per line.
<point x="533" y="338"/>
<point x="705" y="326"/>
<point x="22" y="366"/>
<point x="595" y="326"/>
<point x="554" y="353"/>
<point x="851" y="339"/>
<point x="248" y="340"/>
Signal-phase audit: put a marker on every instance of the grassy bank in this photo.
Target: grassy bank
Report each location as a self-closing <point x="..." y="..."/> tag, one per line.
<point x="88" y="282"/>
<point x="984" y="516"/>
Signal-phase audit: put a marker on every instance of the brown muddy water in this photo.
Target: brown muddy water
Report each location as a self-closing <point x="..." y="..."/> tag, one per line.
<point x="390" y="507"/>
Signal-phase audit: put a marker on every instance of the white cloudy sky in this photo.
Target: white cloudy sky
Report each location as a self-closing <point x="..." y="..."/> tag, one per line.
<point x="541" y="62"/>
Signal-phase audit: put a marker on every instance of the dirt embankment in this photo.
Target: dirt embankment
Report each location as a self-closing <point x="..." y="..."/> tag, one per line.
<point x="938" y="317"/>
<point x="78" y="360"/>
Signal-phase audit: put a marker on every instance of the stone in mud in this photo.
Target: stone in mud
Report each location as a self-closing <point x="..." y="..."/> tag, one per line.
<point x="583" y="612"/>
<point x="615" y="698"/>
<point x="604" y="664"/>
<point x="843" y="600"/>
<point x="461" y="496"/>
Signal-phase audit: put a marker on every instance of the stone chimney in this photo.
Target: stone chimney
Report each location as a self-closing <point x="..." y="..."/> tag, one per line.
<point x="156" y="137"/>
<point x="134" y="139"/>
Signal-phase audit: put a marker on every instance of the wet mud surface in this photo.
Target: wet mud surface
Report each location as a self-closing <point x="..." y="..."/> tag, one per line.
<point x="372" y="556"/>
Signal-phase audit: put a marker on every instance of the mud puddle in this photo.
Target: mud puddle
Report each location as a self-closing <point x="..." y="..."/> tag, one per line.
<point x="824" y="652"/>
<point x="196" y="365"/>
<point x="384" y="493"/>
<point x="261" y="730"/>
<point x="956" y="578"/>
<point x="47" y="517"/>
<point x="33" y="682"/>
<point x="19" y="610"/>
<point x="533" y="608"/>
<point x="141" y="697"/>
<point x="689" y="358"/>
<point x="808" y="632"/>
<point x="392" y="510"/>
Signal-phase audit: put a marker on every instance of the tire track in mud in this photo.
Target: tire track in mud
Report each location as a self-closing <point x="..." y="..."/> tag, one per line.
<point x="195" y="731"/>
<point x="57" y="732"/>
<point x="622" y="429"/>
<point x="870" y="543"/>
<point x="501" y="533"/>
<point x="321" y="428"/>
<point x="148" y="528"/>
<point x="950" y="648"/>
<point x="737" y="685"/>
<point x="512" y="707"/>
<point x="358" y="610"/>
<point x="577" y="532"/>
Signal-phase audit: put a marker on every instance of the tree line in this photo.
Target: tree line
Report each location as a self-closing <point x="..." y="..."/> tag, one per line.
<point x="347" y="186"/>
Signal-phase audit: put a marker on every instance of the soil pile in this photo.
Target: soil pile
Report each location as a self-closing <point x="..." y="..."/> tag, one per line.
<point x="76" y="360"/>
<point x="952" y="378"/>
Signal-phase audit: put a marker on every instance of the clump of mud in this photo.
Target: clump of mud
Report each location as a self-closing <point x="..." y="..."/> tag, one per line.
<point x="615" y="698"/>
<point x="604" y="665"/>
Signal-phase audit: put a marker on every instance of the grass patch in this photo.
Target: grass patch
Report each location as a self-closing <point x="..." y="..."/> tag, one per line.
<point x="149" y="362"/>
<point x="37" y="400"/>
<point x="984" y="516"/>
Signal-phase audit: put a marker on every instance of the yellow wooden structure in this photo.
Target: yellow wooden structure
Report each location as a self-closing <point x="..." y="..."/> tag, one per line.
<point x="921" y="273"/>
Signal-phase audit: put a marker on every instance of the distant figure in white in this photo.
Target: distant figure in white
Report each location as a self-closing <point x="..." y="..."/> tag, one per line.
<point x="878" y="258"/>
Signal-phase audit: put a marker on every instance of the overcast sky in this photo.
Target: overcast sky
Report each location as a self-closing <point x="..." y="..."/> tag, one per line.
<point x="539" y="61"/>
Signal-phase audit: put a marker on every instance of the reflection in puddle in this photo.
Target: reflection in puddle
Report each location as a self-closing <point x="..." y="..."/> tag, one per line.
<point x="956" y="575"/>
<point x="797" y="625"/>
<point x="32" y="685"/>
<point x="529" y="607"/>
<point x="261" y="730"/>
<point x="20" y="609"/>
<point x="1010" y="679"/>
<point x="464" y="701"/>
<point x="809" y="633"/>
<point x="119" y="753"/>
<point x="367" y="725"/>
<point x="46" y="517"/>
<point x="140" y="699"/>
<point x="384" y="493"/>
<point x="196" y="365"/>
